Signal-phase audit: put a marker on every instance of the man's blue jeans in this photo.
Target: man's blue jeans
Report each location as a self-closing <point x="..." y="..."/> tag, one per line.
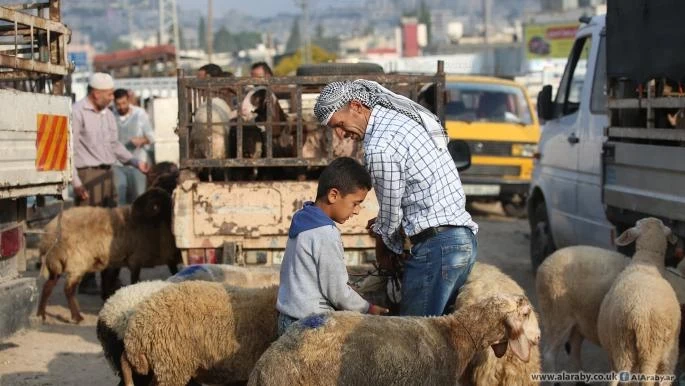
<point x="130" y="183"/>
<point x="436" y="270"/>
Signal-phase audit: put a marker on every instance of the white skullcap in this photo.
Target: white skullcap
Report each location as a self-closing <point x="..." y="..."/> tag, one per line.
<point x="101" y="81"/>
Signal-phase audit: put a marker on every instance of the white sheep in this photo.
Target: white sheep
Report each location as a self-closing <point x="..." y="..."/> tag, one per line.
<point x="211" y="332"/>
<point x="570" y="286"/>
<point x="113" y="320"/>
<point x="639" y="318"/>
<point x="90" y="239"/>
<point x="485" y="368"/>
<point x="355" y="349"/>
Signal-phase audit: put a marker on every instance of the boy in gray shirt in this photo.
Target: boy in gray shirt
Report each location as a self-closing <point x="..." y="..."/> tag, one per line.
<point x="313" y="273"/>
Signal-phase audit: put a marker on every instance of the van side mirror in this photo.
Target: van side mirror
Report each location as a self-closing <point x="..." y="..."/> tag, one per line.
<point x="545" y="106"/>
<point x="461" y="154"/>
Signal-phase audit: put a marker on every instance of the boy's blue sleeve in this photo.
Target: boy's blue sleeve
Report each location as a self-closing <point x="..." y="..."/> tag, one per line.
<point x="333" y="276"/>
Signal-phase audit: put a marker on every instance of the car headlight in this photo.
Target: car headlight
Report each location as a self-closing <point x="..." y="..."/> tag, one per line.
<point x="523" y="149"/>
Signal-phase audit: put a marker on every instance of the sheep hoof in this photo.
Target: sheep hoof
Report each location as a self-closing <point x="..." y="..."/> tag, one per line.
<point x="77" y="318"/>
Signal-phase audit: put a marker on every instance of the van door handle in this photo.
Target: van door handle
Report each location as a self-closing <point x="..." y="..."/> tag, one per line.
<point x="572" y="139"/>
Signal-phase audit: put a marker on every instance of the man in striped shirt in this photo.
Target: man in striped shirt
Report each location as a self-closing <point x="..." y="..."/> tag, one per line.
<point x="417" y="186"/>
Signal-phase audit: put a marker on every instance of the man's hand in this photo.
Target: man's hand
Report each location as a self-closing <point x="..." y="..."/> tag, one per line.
<point x="81" y="192"/>
<point x="377" y="310"/>
<point x="143" y="167"/>
<point x="383" y="254"/>
<point x="139" y="141"/>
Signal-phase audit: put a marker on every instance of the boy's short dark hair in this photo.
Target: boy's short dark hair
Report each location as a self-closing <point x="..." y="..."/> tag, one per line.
<point x="213" y="70"/>
<point x="345" y="174"/>
<point x="120" y="93"/>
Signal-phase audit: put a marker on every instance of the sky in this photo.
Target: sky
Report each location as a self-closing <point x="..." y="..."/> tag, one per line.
<point x="259" y="8"/>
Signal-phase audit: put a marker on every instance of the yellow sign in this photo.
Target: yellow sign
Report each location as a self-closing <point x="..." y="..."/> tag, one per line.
<point x="547" y="41"/>
<point x="52" y="142"/>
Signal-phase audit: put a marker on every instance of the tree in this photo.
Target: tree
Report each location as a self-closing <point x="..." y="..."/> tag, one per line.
<point x="294" y="39"/>
<point x="424" y="17"/>
<point x="202" y="34"/>
<point x="289" y="64"/>
<point x="224" y="41"/>
<point x="118" y="45"/>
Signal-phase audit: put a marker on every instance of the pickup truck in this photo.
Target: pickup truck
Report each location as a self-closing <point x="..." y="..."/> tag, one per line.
<point x="231" y="207"/>
<point x="35" y="140"/>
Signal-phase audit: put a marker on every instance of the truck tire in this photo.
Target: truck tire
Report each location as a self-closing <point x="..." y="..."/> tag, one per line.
<point x="339" y="69"/>
<point x="541" y="241"/>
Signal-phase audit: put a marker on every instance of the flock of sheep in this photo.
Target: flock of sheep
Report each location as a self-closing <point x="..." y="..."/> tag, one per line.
<point x="217" y="324"/>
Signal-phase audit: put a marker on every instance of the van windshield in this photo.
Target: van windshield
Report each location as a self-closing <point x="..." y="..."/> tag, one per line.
<point x="481" y="102"/>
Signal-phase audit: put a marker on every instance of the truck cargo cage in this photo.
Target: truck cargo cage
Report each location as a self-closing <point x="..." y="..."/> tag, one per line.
<point x="295" y="94"/>
<point x="33" y="55"/>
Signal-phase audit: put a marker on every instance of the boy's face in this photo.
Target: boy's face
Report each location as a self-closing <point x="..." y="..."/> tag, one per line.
<point x="345" y="206"/>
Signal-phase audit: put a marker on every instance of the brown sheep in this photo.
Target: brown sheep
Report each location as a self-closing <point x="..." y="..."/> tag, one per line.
<point x="210" y="332"/>
<point x="91" y="239"/>
<point x="354" y="349"/>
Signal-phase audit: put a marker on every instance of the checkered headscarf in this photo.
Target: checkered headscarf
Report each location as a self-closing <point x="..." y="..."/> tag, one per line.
<point x="369" y="93"/>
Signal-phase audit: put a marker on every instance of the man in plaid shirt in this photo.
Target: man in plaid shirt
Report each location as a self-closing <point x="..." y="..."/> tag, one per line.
<point x="417" y="186"/>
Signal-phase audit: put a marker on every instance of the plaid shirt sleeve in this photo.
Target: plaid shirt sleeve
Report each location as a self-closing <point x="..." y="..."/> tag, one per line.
<point x="389" y="182"/>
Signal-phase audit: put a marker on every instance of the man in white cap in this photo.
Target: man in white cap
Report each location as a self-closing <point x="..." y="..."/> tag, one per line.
<point x="96" y="149"/>
<point x="417" y="186"/>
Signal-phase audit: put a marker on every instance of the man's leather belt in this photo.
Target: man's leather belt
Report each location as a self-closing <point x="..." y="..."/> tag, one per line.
<point x="428" y="233"/>
<point x="98" y="167"/>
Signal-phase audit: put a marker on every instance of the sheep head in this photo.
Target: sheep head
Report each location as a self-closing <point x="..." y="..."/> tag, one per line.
<point x="649" y="234"/>
<point x="163" y="175"/>
<point x="501" y="321"/>
<point x="152" y="207"/>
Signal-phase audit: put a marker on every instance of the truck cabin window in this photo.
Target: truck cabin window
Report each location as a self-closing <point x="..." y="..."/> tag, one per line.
<point x="572" y="83"/>
<point x="472" y="102"/>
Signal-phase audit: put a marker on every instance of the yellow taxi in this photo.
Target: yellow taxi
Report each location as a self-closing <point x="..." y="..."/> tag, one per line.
<point x="496" y="118"/>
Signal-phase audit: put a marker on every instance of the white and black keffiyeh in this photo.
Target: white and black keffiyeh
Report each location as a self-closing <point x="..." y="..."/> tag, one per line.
<point x="335" y="95"/>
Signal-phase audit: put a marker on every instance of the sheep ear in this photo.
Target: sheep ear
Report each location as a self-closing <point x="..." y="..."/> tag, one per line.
<point x="627" y="237"/>
<point x="152" y="206"/>
<point x="670" y="236"/>
<point x="518" y="341"/>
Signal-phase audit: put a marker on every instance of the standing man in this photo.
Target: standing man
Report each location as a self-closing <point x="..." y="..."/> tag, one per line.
<point x="417" y="186"/>
<point x="96" y="148"/>
<point x="135" y="132"/>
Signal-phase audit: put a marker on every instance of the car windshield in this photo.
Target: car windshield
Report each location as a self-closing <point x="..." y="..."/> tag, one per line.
<point x="482" y="102"/>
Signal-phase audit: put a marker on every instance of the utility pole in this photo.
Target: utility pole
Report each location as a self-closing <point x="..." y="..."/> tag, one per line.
<point x="210" y="35"/>
<point x="486" y="37"/>
<point x="168" y="21"/>
<point x="304" y="31"/>
<point x="127" y="5"/>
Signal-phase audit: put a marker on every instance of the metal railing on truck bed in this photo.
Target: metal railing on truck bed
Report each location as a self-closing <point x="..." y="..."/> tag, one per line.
<point x="193" y="93"/>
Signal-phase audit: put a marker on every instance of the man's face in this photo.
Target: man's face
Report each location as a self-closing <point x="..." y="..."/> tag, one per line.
<point x="122" y="105"/>
<point x="345" y="206"/>
<point x="258" y="73"/>
<point x="102" y="98"/>
<point x="350" y="121"/>
<point x="201" y="74"/>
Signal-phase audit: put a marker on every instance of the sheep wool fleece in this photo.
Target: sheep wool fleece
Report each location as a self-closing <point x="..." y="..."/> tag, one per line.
<point x="313" y="273"/>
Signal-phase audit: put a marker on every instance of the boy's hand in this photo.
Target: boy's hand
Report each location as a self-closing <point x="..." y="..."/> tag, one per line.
<point x="377" y="310"/>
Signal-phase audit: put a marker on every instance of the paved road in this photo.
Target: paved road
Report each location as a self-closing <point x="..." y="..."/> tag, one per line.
<point x="59" y="353"/>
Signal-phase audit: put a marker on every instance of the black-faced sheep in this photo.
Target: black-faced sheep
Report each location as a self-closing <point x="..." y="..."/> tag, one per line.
<point x="639" y="318"/>
<point x="90" y="239"/>
<point x="211" y="332"/>
<point x="354" y="349"/>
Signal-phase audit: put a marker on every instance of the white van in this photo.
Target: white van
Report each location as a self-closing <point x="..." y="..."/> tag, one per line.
<point x="565" y="200"/>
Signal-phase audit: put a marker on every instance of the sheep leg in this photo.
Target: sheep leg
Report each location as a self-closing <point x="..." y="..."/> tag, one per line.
<point x="173" y="268"/>
<point x="557" y="338"/>
<point x="70" y="292"/>
<point x="126" y="371"/>
<point x="135" y="274"/>
<point x="576" y="342"/>
<point x="48" y="286"/>
<point x="669" y="362"/>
